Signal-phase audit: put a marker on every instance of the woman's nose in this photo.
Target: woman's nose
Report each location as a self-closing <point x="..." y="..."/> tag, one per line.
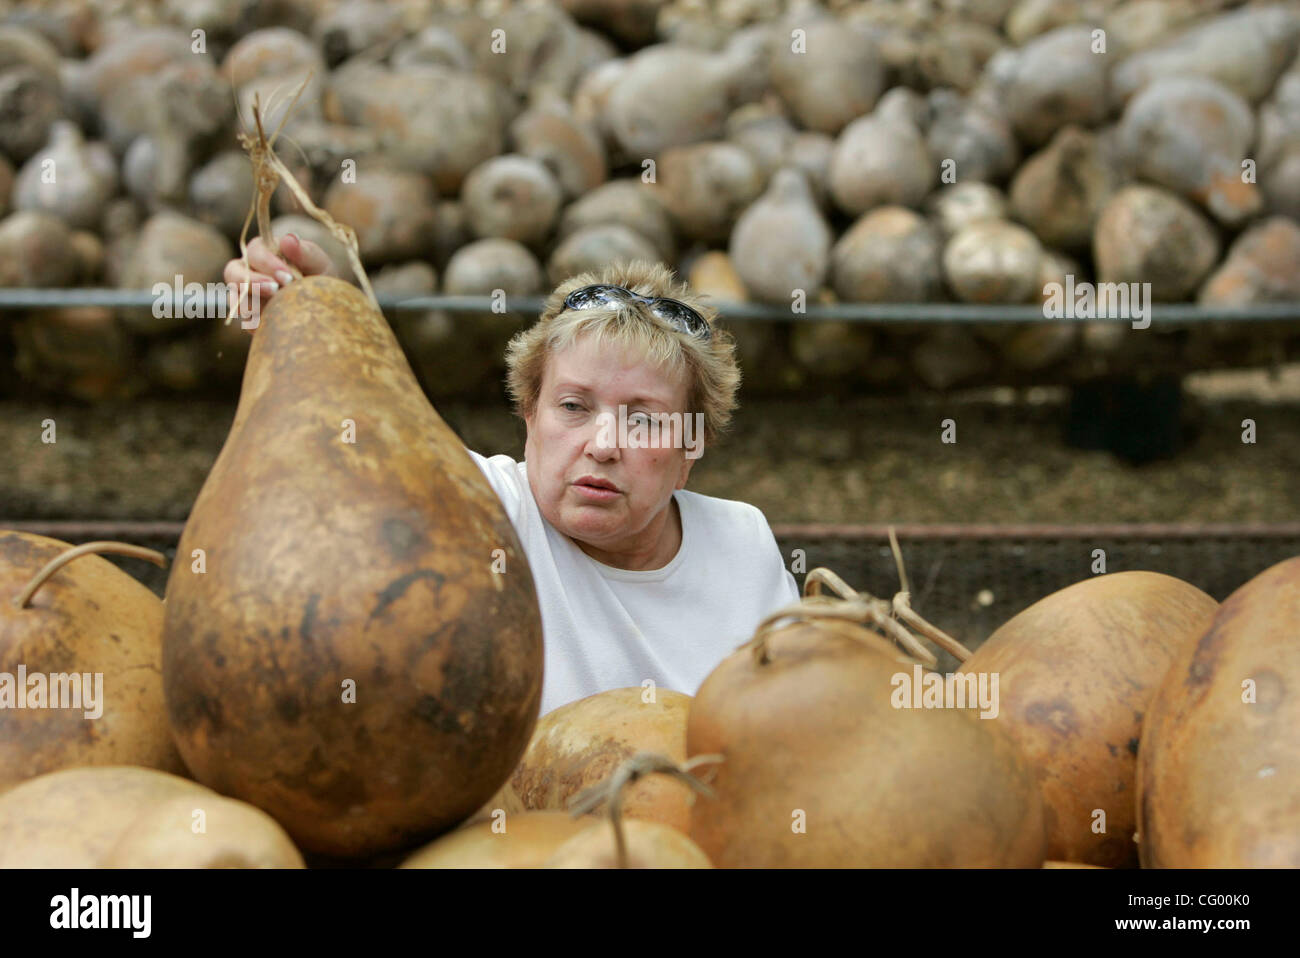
<point x="602" y="444"/>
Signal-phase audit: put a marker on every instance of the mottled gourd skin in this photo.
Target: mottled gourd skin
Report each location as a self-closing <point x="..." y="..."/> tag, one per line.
<point x="333" y="565"/>
<point x="649" y="845"/>
<point x="74" y="818"/>
<point x="529" y="839"/>
<point x="130" y="817"/>
<point x="89" y="616"/>
<point x="813" y="730"/>
<point x="1077" y="671"/>
<point x="581" y="744"/>
<point x="1218" y="777"/>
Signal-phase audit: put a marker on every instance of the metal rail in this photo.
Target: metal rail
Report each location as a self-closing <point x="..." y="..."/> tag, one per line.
<point x="214" y="305"/>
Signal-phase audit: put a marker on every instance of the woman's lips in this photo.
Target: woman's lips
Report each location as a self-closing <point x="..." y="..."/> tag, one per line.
<point x="595" y="493"/>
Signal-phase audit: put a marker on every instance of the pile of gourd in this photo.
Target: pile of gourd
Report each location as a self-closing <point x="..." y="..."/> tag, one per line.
<point x="787" y="153"/>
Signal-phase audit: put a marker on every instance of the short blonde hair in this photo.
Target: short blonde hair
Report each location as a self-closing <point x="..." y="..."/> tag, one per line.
<point x="712" y="375"/>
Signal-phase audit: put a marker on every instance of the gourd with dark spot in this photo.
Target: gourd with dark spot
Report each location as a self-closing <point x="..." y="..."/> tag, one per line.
<point x="345" y="657"/>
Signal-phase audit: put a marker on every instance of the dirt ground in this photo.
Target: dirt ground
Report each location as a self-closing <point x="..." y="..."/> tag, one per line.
<point x="862" y="460"/>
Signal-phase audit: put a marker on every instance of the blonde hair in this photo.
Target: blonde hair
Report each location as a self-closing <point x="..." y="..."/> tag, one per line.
<point x="712" y="376"/>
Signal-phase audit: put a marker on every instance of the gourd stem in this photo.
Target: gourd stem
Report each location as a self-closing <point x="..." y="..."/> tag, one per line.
<point x="638" y="766"/>
<point x="88" y="548"/>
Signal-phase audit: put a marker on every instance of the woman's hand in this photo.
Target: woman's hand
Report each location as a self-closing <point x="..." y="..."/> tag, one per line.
<point x="268" y="272"/>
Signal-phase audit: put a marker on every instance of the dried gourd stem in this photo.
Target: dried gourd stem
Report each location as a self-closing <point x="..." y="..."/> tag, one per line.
<point x="929" y="630"/>
<point x="63" y="558"/>
<point x="858" y="611"/>
<point x="812" y="584"/>
<point x="902" y="608"/>
<point x="265" y="180"/>
<point x="881" y="617"/>
<point x="268" y="171"/>
<point x="695" y="761"/>
<point x="247" y="286"/>
<point x="344" y="234"/>
<point x="638" y="766"/>
<point x="903" y="637"/>
<point x="898" y="561"/>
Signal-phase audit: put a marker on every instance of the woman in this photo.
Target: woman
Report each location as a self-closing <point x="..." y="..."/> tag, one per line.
<point x="621" y="382"/>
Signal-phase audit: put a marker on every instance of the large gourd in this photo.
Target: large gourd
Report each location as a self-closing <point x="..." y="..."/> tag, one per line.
<point x="1218" y="776"/>
<point x="352" y="639"/>
<point x="1077" y="671"/>
<point x="821" y="768"/>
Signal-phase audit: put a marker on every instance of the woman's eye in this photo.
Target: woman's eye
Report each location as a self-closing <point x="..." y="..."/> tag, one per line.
<point x="566" y="406"/>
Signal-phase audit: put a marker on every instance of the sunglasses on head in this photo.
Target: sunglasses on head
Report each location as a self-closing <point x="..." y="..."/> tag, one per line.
<point x="681" y="316"/>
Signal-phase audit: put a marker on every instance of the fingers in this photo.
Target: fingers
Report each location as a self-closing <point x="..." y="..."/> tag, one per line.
<point x="236" y="275"/>
<point x="267" y="273"/>
<point x="306" y="255"/>
<point x="262" y="260"/>
<point x="253" y="294"/>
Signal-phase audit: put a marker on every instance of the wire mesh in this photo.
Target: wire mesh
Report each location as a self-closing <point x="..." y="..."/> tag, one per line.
<point x="968" y="581"/>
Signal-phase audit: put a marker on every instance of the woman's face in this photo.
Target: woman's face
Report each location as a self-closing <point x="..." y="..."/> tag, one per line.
<point x="573" y="435"/>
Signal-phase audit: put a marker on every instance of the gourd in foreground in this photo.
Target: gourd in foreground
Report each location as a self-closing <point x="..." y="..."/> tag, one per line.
<point x="822" y="768"/>
<point x="1218" y="770"/>
<point x="580" y="744"/>
<point x="1078" y="670"/>
<point x="338" y="649"/>
<point x="69" y="614"/>
<point x="125" y="816"/>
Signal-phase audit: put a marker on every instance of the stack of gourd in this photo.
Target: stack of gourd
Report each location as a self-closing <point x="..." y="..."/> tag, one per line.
<point x="772" y="151"/>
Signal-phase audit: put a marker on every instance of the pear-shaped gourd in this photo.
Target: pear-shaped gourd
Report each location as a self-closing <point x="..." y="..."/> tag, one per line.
<point x="69" y="178"/>
<point x="36" y="250"/>
<point x="1054" y="80"/>
<point x="781" y="243"/>
<point x="672" y="94"/>
<point x="569" y="148"/>
<point x="879" y="159"/>
<point x="1244" y="49"/>
<point x="512" y="197"/>
<point x="1059" y="191"/>
<point x="479" y="269"/>
<point x="840" y="82"/>
<point x="352" y="639"/>
<point x="393" y="209"/>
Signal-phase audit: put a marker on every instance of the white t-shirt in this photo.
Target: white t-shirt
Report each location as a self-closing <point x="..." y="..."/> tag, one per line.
<point x="607" y="628"/>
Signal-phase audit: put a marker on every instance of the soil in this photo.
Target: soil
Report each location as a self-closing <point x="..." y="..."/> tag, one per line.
<point x="815" y="460"/>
